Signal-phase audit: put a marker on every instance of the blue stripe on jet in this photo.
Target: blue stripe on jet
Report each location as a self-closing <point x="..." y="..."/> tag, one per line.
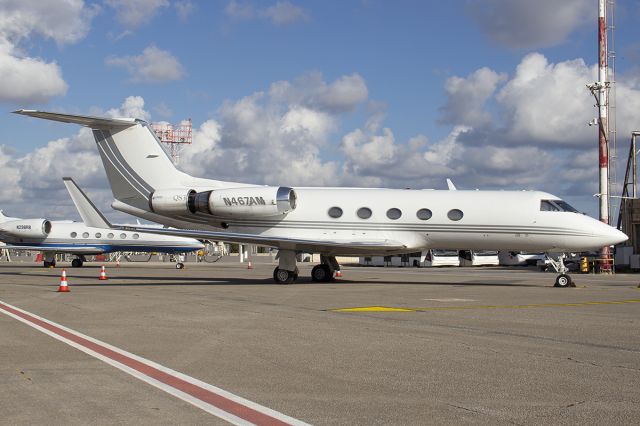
<point x="107" y="248"/>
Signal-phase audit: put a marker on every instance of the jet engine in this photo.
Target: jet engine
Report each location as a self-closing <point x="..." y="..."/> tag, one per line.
<point x="27" y="228"/>
<point x="245" y="202"/>
<point x="171" y="201"/>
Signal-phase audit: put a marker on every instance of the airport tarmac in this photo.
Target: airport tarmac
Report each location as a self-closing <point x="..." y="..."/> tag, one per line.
<point x="379" y="346"/>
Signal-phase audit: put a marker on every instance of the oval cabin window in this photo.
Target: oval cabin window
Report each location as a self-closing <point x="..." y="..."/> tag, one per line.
<point x="364" y="213"/>
<point x="455" y="214"/>
<point x="335" y="212"/>
<point x="394" y="213"/>
<point x="424" y="214"/>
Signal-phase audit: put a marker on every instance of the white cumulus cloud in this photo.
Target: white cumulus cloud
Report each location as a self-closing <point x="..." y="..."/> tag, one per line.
<point x="466" y="97"/>
<point x="284" y="13"/>
<point x="27" y="79"/>
<point x="281" y="13"/>
<point x="184" y="8"/>
<point x="310" y="90"/>
<point x="153" y="65"/>
<point x="134" y="13"/>
<point x="531" y="24"/>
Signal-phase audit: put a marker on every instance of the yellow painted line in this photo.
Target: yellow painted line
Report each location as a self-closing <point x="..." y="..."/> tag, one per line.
<point x="469" y="307"/>
<point x="374" y="309"/>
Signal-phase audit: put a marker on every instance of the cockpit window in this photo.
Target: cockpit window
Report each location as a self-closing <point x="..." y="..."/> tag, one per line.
<point x="556" y="206"/>
<point x="547" y="206"/>
<point x="565" y="207"/>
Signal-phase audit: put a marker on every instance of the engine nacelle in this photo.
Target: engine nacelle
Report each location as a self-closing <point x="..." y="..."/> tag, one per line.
<point x="245" y="202"/>
<point x="171" y="201"/>
<point x="27" y="228"/>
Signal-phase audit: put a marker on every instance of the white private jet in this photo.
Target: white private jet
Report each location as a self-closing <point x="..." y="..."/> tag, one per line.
<point x="94" y="235"/>
<point x="329" y="221"/>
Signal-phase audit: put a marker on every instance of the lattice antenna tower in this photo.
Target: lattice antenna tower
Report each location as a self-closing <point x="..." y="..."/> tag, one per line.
<point x="174" y="136"/>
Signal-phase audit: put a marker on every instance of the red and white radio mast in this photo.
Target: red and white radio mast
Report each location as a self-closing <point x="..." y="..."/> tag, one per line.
<point x="600" y="90"/>
<point x="174" y="136"/>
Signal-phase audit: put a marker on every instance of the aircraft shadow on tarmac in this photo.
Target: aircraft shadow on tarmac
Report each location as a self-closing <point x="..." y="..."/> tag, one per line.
<point x="221" y="281"/>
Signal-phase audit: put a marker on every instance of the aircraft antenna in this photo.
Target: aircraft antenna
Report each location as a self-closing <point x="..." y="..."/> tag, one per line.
<point x="174" y="136"/>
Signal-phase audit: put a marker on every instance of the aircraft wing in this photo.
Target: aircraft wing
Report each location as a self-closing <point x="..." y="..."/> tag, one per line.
<point x="318" y="246"/>
<point x="62" y="248"/>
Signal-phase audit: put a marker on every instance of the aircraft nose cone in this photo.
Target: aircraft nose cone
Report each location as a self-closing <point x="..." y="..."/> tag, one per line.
<point x="610" y="235"/>
<point x="618" y="237"/>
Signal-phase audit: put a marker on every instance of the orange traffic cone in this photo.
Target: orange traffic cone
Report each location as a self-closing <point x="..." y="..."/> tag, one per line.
<point x="103" y="274"/>
<point x="249" y="265"/>
<point x="338" y="274"/>
<point x="63" y="288"/>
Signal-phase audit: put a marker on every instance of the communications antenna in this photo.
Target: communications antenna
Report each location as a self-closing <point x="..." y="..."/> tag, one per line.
<point x="601" y="91"/>
<point x="613" y="131"/>
<point x="174" y="136"/>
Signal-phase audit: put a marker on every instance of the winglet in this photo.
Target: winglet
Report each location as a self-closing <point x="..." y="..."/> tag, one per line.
<point x="90" y="214"/>
<point x="451" y="186"/>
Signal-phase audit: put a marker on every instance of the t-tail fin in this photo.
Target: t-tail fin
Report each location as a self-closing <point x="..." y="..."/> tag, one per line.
<point x="135" y="162"/>
<point x="89" y="213"/>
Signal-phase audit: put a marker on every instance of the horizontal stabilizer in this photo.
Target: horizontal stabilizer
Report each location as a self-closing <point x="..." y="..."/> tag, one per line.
<point x="89" y="213"/>
<point x="84" y="120"/>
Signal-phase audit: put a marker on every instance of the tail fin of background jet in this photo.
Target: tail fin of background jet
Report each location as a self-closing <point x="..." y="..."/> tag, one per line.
<point x="89" y="213"/>
<point x="3" y="218"/>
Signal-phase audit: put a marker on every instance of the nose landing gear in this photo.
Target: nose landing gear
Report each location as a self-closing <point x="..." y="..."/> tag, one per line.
<point x="563" y="280"/>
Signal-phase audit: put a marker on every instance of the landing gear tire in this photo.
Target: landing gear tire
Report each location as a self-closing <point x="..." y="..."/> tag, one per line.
<point x="321" y="274"/>
<point x="564" y="281"/>
<point x="179" y="265"/>
<point x="76" y="263"/>
<point x="282" y="276"/>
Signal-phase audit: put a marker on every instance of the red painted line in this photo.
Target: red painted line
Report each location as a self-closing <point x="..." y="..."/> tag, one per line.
<point x="205" y="395"/>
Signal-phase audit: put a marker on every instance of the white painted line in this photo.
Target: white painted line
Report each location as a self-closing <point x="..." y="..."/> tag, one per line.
<point x="223" y="404"/>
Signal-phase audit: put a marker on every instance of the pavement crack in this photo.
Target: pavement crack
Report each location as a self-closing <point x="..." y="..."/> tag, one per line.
<point x="471" y="410"/>
<point x="584" y="362"/>
<point x="465" y="408"/>
<point x="574" y="404"/>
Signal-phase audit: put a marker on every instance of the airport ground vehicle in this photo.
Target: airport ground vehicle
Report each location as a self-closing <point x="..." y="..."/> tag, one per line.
<point x="479" y="258"/>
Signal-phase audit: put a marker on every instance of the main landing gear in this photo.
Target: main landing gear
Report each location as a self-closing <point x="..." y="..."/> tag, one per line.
<point x="78" y="262"/>
<point x="287" y="272"/>
<point x="49" y="260"/>
<point x="563" y="280"/>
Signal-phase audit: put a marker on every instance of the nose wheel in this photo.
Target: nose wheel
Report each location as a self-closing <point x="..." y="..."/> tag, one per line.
<point x="563" y="281"/>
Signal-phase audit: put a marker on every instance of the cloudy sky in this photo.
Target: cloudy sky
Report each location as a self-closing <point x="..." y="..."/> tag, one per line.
<point x="352" y="93"/>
